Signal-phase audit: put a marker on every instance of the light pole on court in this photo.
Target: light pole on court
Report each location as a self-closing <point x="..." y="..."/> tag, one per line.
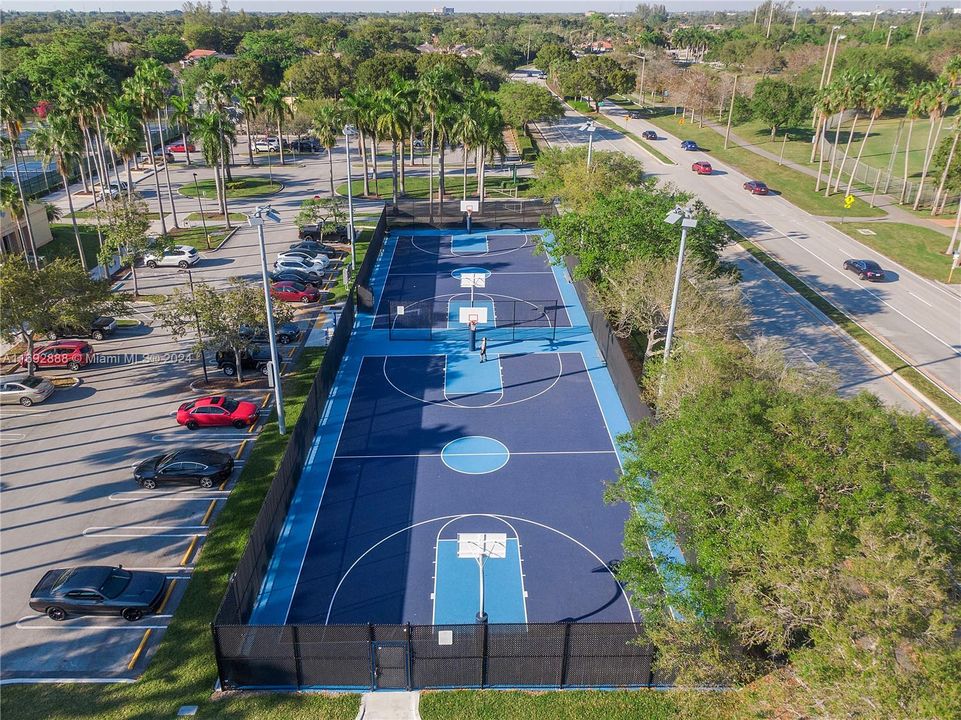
<point x="256" y="219"/>
<point x="202" y="218"/>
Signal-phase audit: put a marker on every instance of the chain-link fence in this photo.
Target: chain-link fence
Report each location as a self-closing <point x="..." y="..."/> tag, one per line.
<point x="438" y="318"/>
<point x="496" y="214"/>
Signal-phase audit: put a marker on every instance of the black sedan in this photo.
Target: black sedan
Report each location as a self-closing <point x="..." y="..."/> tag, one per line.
<point x="313" y="246"/>
<point x="865" y="269"/>
<point x="98" y="590"/>
<point x="292" y="275"/>
<point x="187" y="466"/>
<point x="649" y="135"/>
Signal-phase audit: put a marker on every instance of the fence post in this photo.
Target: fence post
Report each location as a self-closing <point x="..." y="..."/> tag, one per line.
<point x="410" y="657"/>
<point x="373" y="656"/>
<point x="565" y="654"/>
<point x="484" y="627"/>
<point x="298" y="670"/>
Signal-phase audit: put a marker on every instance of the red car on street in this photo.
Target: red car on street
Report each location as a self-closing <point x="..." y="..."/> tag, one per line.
<point x="702" y="167"/>
<point x="756" y="187"/>
<point x="180" y="147"/>
<point x="290" y="291"/>
<point x="72" y="354"/>
<point x="217" y="411"/>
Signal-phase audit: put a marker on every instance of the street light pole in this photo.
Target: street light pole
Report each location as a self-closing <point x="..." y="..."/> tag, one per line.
<point x="834" y="56"/>
<point x="350" y="200"/>
<point x="202" y="218"/>
<point x="200" y="339"/>
<point x="687" y="222"/>
<point x="589" y="127"/>
<point x="257" y="220"/>
<point x="891" y="29"/>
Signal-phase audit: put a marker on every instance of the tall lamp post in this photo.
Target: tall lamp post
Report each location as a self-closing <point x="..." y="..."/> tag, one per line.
<point x="203" y="359"/>
<point x="256" y="219"/>
<point x="350" y="132"/>
<point x="202" y="218"/>
<point x="686" y="217"/>
<point x="834" y="56"/>
<point x="589" y="127"/>
<point x="891" y="29"/>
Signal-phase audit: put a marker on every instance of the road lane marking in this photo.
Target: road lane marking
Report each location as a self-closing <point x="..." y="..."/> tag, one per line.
<point x="920" y="298"/>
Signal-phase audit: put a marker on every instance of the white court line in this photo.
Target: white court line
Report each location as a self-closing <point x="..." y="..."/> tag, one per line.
<point x="478" y="454"/>
<point x="600" y="408"/>
<point x="383" y="287"/>
<point x="126" y="531"/>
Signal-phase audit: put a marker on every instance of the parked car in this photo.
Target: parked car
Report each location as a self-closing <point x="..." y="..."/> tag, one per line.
<point x="177" y="256"/>
<point x="24" y="389"/>
<point x="98" y="590"/>
<point x="865" y="269"/>
<point x="186" y="466"/>
<point x="180" y="147"/>
<point x="689" y="145"/>
<point x="307" y="145"/>
<point x="292" y="263"/>
<point x="285" y="333"/>
<point x="217" y="411"/>
<point x="294" y="292"/>
<point x="99" y="329"/>
<point x="313" y="232"/>
<point x="72" y="354"/>
<point x="649" y="135"/>
<point x="305" y="277"/>
<point x="313" y="246"/>
<point x="112" y="191"/>
<point x="266" y="146"/>
<point x="253" y="360"/>
<point x="159" y="156"/>
<point x="306" y="256"/>
<point x="702" y="167"/>
<point x="756" y="187"/>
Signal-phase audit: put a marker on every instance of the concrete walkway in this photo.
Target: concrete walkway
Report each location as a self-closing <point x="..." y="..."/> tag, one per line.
<point x="389" y="706"/>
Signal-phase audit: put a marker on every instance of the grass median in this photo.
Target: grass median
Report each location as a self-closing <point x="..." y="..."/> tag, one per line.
<point x="239" y="187"/>
<point x="889" y="357"/>
<point x="183" y="671"/>
<point x="919" y="249"/>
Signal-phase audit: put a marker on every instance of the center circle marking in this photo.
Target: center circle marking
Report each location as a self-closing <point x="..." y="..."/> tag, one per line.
<point x="475" y="455"/>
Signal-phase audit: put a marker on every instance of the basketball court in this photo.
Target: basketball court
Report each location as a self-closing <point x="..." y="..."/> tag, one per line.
<point x="442" y="489"/>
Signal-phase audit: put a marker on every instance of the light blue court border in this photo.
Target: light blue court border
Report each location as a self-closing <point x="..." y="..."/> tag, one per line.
<point x="285" y="566"/>
<point x="457" y="586"/>
<point x="454" y="306"/>
<point x="469" y="244"/>
<point x="475" y="455"/>
<point x="465" y="374"/>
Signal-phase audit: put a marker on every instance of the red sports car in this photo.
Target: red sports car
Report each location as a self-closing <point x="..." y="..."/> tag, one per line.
<point x="702" y="167"/>
<point x="72" y="354"/>
<point x="290" y="291"/>
<point x="217" y="411"/>
<point x="180" y="147"/>
<point x="756" y="187"/>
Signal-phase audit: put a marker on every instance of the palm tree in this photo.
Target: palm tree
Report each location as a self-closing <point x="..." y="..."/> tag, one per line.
<point x="879" y="95"/>
<point x="58" y="140"/>
<point x="824" y="104"/>
<point x="250" y="107"/>
<point x="391" y="121"/>
<point x="326" y="128"/>
<point x="357" y="106"/>
<point x="216" y="135"/>
<point x="466" y="129"/>
<point x="182" y="115"/>
<point x="914" y="102"/>
<point x="160" y="78"/>
<point x="276" y="109"/>
<point x="14" y="106"/>
<point x="937" y="95"/>
<point x="404" y="96"/>
<point x="491" y="139"/>
<point x="857" y="98"/>
<point x="141" y="93"/>
<point x="941" y="197"/>
<point x="218" y="91"/>
<point x="844" y="92"/>
<point x="434" y="91"/>
<point x="12" y="204"/>
<point x="124" y="135"/>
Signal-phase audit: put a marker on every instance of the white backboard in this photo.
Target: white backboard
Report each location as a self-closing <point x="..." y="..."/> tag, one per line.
<point x="478" y="314"/>
<point x="469" y="205"/>
<point x="477" y="280"/>
<point x="475" y="545"/>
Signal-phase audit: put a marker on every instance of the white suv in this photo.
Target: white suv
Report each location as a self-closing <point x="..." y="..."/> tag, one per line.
<point x="266" y="146"/>
<point x="177" y="256"/>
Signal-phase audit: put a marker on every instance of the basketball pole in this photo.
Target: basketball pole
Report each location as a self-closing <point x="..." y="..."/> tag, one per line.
<point x="481" y="614"/>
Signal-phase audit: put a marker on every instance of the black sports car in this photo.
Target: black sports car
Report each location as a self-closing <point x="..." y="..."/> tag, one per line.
<point x="865" y="269"/>
<point x="194" y="466"/>
<point x="292" y="275"/>
<point x="98" y="590"/>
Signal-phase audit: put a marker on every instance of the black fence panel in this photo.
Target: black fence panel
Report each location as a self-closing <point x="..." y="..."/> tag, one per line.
<point x="506" y="319"/>
<point x="496" y="214"/>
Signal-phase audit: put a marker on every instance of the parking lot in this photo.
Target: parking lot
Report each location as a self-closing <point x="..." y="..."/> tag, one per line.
<point x="69" y="497"/>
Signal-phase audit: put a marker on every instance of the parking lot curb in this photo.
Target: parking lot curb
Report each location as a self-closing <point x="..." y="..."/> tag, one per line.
<point x="223" y="242"/>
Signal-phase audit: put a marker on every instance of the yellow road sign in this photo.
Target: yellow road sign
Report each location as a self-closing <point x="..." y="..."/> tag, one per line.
<point x="848" y="202"/>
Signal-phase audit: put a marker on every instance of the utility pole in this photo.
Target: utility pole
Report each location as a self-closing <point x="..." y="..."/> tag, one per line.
<point x="770" y="19"/>
<point x="730" y="114"/>
<point x="794" y="24"/>
<point x="528" y="48"/>
<point x="924" y="6"/>
<point x="891" y="29"/>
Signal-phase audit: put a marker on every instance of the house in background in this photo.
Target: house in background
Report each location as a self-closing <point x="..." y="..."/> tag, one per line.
<point x="200" y="54"/>
<point x="11" y="231"/>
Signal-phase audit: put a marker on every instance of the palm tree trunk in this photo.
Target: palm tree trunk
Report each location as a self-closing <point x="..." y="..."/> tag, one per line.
<point x="148" y="141"/>
<point x="129" y="180"/>
<point x="393" y="160"/>
<point x="403" y="179"/>
<point x="133" y="275"/>
<point x="465" y="172"/>
<point x="280" y="142"/>
<point x="857" y="160"/>
<point x="170" y="192"/>
<point x="430" y="174"/>
<point x="116" y="166"/>
<point x="907" y="155"/>
<point x="373" y="152"/>
<point x="847" y="149"/>
<point x="834" y="149"/>
<point x="362" y="141"/>
<point x="26" y="207"/>
<point x="73" y="221"/>
<point x="96" y="208"/>
<point x="944" y="176"/>
<point x="440" y="174"/>
<point x="928" y="154"/>
<point x="412" y="146"/>
<point x="250" y="144"/>
<point x="817" y="138"/>
<point x="330" y="163"/>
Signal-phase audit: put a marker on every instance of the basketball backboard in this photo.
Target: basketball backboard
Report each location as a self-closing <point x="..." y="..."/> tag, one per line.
<point x="469" y="206"/>
<point x="477" y="545"/>
<point x="475" y="314"/>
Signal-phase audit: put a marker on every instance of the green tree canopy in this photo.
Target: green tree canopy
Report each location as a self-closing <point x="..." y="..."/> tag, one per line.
<point x="596" y="77"/>
<point x="317" y="76"/>
<point x="378" y="71"/>
<point x="551" y="54"/>
<point x="780" y="103"/>
<point x="564" y="174"/>
<point x="522" y="103"/>
<point x="167" y="48"/>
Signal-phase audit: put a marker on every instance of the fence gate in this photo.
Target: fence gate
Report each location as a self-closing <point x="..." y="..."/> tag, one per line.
<point x="391" y="666"/>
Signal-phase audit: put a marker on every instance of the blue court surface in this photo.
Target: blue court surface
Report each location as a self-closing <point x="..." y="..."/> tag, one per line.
<point x="423" y="444"/>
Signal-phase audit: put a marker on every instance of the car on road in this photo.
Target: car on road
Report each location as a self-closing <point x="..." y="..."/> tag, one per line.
<point x="314" y="247"/>
<point x="307" y="145"/>
<point x="305" y="277"/>
<point x="98" y="590"/>
<point x="266" y="146"/>
<point x="178" y="256"/>
<point x="253" y="360"/>
<point x="634" y="115"/>
<point x="689" y="145"/>
<point x="294" y="263"/>
<point x="294" y="292"/>
<point x="98" y="329"/>
<point x="217" y="411"/>
<point x="864" y="269"/>
<point x="185" y="466"/>
<point x="24" y="389"/>
<point x="72" y="354"/>
<point x="756" y="187"/>
<point x="179" y="147"/>
<point x="159" y="156"/>
<point x="649" y="135"/>
<point x="702" y="167"/>
<point x="285" y="333"/>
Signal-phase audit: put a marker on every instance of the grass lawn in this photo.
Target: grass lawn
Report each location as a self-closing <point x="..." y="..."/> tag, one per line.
<point x="194" y="236"/>
<point x="417" y="186"/>
<point x="64" y="244"/>
<point x="917" y="248"/>
<point x="183" y="671"/>
<point x="573" y="705"/>
<point x="581" y="106"/>
<point x="796" y="187"/>
<point x="526" y="146"/>
<point x="240" y="187"/>
<point x="216" y="217"/>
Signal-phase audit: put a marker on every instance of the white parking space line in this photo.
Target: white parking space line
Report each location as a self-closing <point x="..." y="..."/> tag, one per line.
<point x="42" y="622"/>
<point x="146" y="531"/>
<point x="168" y="496"/>
<point x="179" y="437"/>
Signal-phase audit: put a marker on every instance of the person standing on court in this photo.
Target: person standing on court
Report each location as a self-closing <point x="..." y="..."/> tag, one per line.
<point x="483" y="352"/>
